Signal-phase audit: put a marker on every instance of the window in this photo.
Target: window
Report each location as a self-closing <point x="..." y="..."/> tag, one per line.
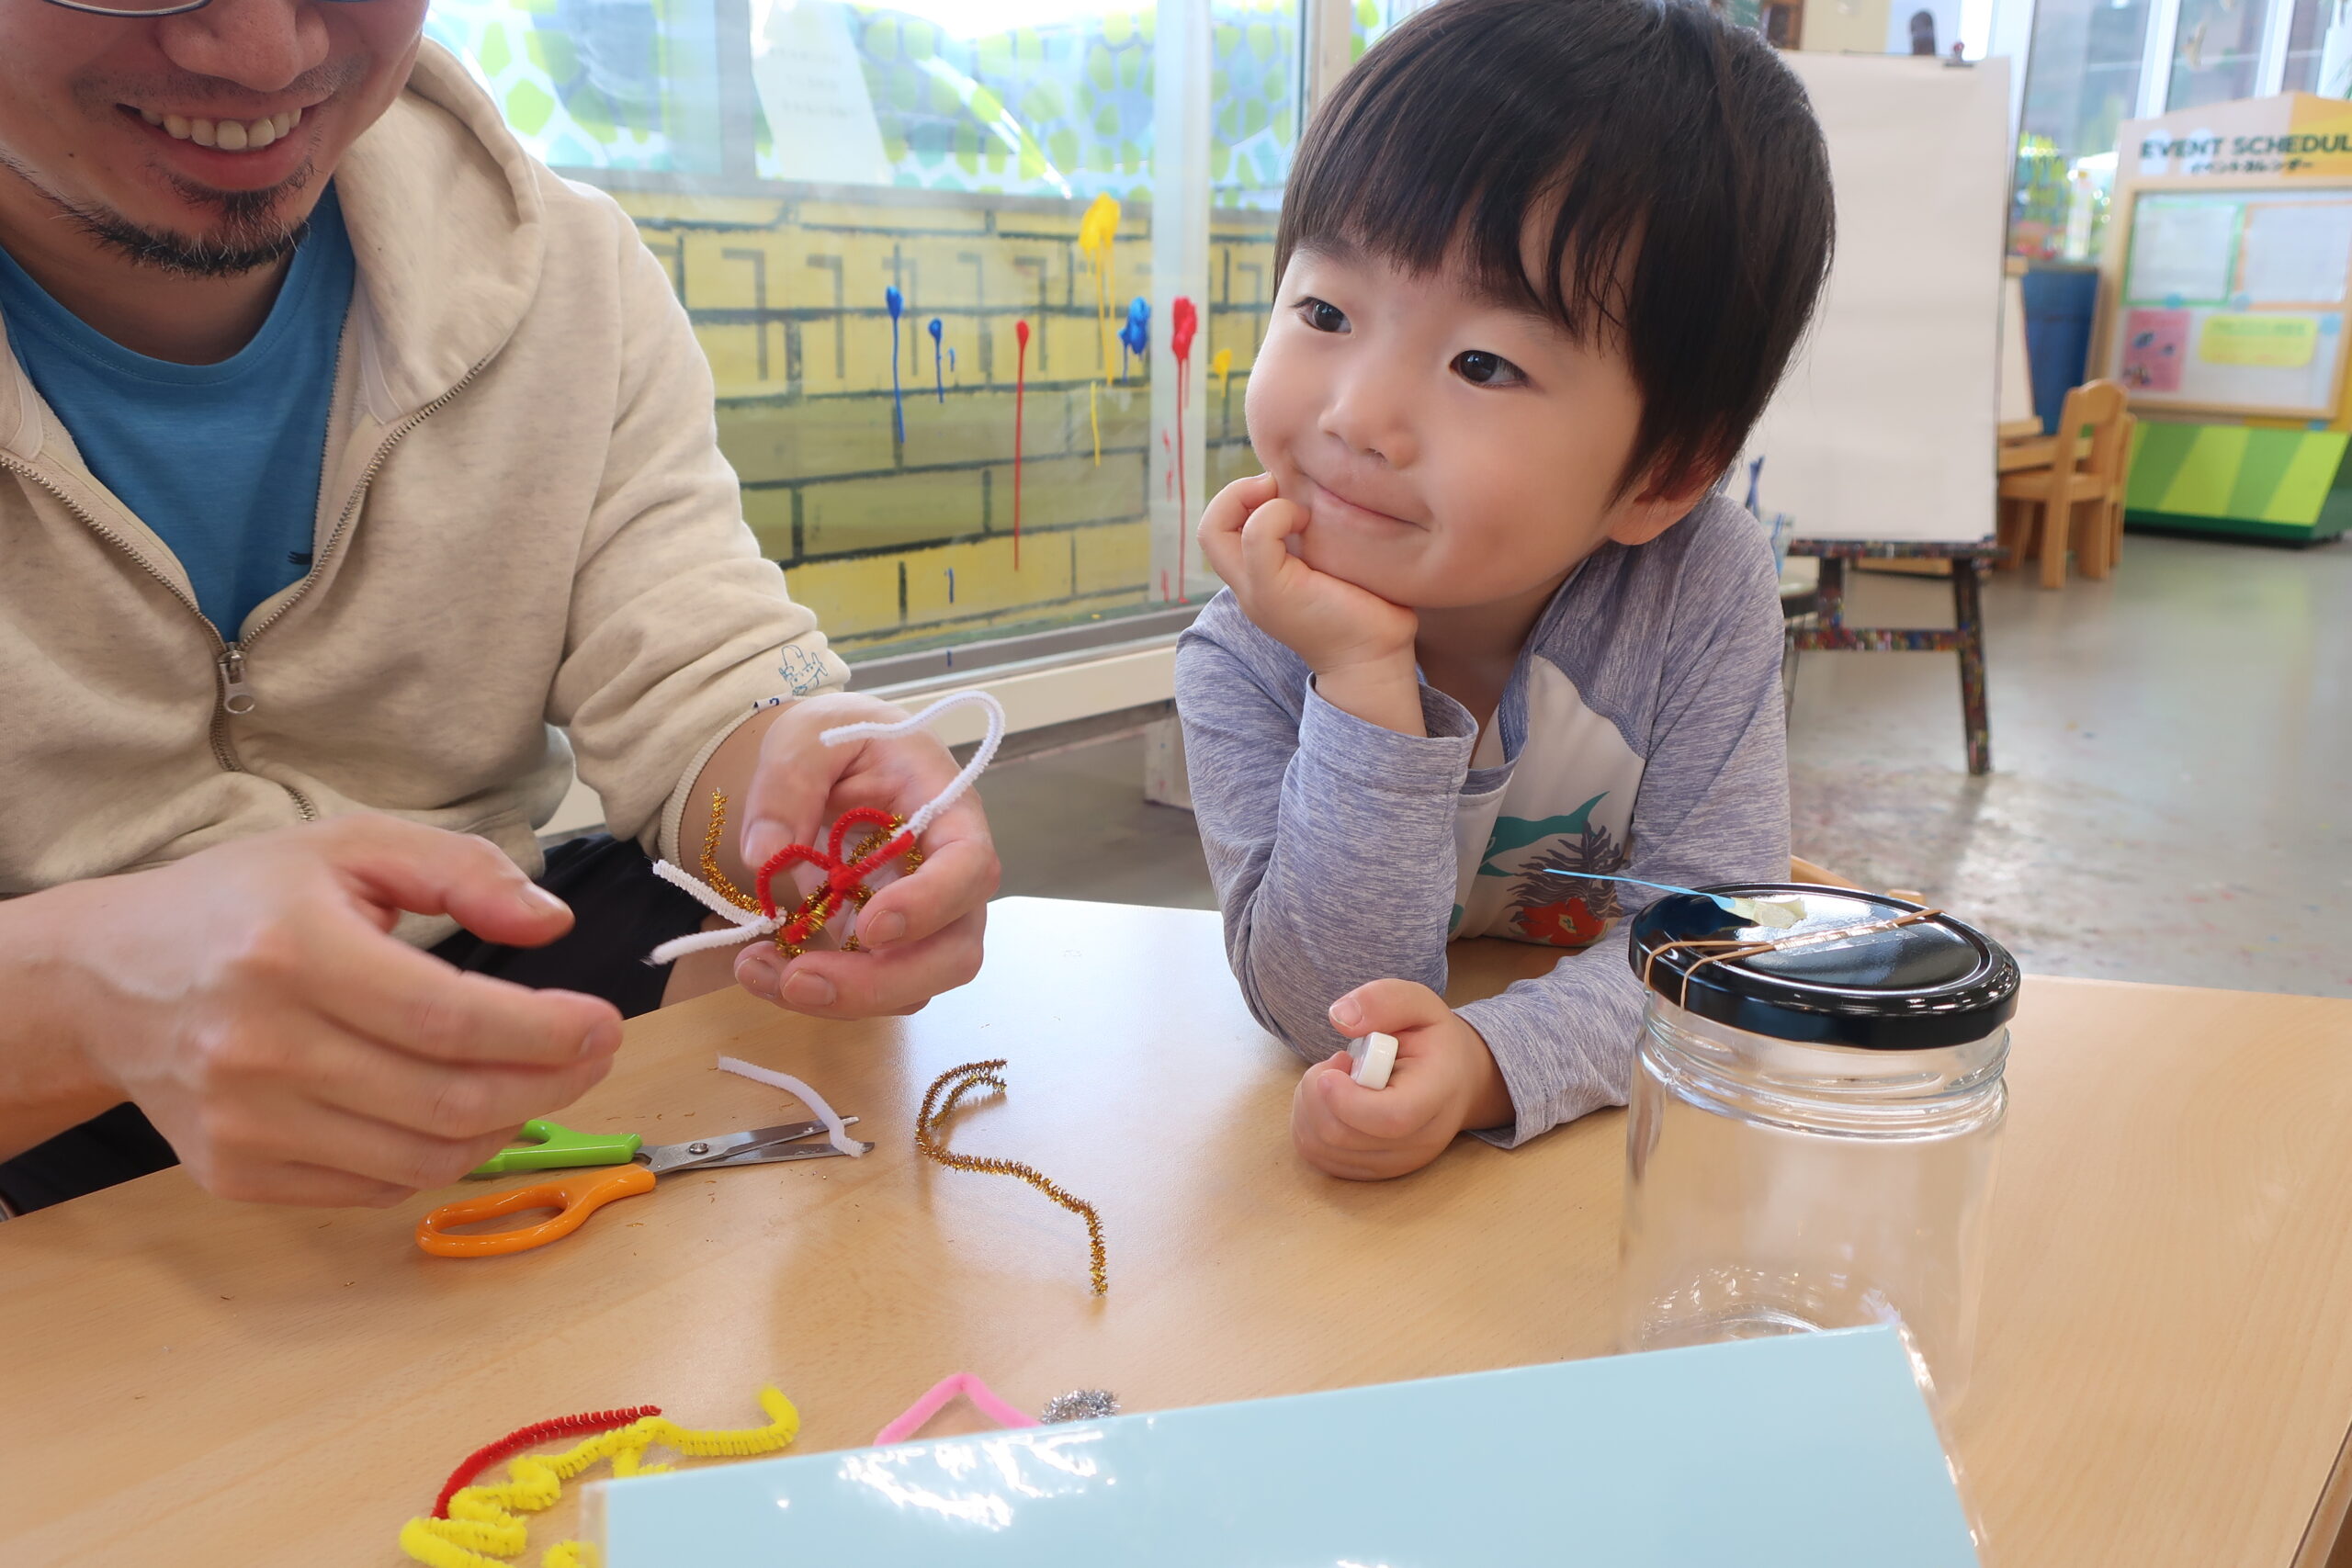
<point x="2082" y="81"/>
<point x="905" y="231"/>
<point x="1375" y="18"/>
<point x="2216" y="50"/>
<point x="2306" y="31"/>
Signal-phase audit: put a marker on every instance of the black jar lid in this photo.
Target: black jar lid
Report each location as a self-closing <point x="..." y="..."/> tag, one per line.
<point x="1935" y="981"/>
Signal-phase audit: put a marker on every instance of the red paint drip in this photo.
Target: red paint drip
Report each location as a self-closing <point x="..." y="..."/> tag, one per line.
<point x="1184" y="324"/>
<point x="1020" y="392"/>
<point x="522" y="1438"/>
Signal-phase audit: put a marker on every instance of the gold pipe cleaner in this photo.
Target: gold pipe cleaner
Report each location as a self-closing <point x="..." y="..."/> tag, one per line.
<point x="969" y="1079"/>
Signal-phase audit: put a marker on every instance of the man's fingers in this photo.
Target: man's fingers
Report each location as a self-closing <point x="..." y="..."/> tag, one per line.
<point x="383" y="989"/>
<point x="439" y="1099"/>
<point x="400" y="865"/>
<point x="250" y="1137"/>
<point x="954" y="880"/>
<point x="895" y="979"/>
<point x="793" y="787"/>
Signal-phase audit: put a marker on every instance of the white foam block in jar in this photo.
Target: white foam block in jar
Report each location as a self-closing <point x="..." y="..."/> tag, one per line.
<point x="1375" y="1058"/>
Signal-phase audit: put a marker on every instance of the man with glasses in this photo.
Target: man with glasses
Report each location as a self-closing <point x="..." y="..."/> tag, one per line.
<point x="356" y="477"/>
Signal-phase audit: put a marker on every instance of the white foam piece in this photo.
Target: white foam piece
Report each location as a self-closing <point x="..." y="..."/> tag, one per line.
<point x="1375" y="1057"/>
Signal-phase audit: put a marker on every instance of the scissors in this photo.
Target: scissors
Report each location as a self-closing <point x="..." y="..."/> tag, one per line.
<point x="550" y="1146"/>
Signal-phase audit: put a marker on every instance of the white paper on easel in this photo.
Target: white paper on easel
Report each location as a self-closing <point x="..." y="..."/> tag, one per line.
<point x="811" y="86"/>
<point x="1884" y="427"/>
<point x="2016" y="370"/>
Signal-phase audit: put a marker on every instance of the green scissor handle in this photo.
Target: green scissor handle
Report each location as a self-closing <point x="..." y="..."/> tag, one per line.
<point x="552" y="1147"/>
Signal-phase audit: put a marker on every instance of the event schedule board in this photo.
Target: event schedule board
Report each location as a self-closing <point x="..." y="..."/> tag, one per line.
<point x="2234" y="300"/>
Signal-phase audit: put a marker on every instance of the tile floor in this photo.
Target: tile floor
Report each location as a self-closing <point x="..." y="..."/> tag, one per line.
<point x="2171" y="798"/>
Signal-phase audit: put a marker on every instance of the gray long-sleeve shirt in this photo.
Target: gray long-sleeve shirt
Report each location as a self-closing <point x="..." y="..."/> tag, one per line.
<point x="1640" y="734"/>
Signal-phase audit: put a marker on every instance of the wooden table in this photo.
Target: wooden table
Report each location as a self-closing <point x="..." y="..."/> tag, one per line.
<point x="2165" y="1376"/>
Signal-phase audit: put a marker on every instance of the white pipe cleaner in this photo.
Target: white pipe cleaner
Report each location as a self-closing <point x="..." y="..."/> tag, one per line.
<point x="835" y="1125"/>
<point x="746" y="925"/>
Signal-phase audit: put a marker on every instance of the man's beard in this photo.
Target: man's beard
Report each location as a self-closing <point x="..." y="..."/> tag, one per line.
<point x="246" y="236"/>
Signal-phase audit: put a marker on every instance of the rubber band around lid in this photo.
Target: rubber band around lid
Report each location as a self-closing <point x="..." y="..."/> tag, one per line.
<point x="1735" y="948"/>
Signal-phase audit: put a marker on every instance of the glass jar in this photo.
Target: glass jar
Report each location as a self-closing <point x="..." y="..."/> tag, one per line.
<point x="1813" y="1123"/>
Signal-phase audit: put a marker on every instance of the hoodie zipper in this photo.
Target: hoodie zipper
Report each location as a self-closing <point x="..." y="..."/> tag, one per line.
<point x="228" y="657"/>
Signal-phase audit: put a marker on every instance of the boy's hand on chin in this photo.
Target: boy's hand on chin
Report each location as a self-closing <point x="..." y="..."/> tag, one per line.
<point x="1359" y="644"/>
<point x="1445" y="1079"/>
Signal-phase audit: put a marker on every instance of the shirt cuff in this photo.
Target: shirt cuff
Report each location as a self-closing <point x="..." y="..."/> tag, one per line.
<point x="1379" y="758"/>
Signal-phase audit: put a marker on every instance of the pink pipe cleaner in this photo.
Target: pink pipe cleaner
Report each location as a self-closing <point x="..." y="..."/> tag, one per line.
<point x="943" y="1393"/>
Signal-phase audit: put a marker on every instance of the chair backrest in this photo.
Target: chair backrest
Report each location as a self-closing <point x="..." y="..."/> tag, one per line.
<point x="2091" y="433"/>
<point x="2117" y="464"/>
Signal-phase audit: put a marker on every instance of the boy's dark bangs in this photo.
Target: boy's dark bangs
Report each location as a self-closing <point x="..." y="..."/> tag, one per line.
<point x="1676" y="181"/>
<point x="1464" y="197"/>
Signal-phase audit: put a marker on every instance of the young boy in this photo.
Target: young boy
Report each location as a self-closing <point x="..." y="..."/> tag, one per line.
<point x="1489" y="629"/>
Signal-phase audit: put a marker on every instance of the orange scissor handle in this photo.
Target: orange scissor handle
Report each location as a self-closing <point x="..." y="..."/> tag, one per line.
<point x="573" y="1198"/>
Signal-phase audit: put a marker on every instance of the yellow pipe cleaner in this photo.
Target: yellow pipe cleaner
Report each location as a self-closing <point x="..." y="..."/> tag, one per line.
<point x="486" y="1529"/>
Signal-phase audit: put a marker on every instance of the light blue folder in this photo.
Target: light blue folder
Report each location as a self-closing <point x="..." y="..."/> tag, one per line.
<point x="1814" y="1449"/>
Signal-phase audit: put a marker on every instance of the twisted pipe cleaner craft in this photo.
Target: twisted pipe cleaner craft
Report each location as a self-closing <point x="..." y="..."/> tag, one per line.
<point x="523" y="1437"/>
<point x="961" y="1081"/>
<point x="847" y="869"/>
<point x="485" y="1527"/>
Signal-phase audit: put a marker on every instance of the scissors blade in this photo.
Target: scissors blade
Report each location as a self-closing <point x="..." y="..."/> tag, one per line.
<point x="725" y="1150"/>
<point x="776" y="1153"/>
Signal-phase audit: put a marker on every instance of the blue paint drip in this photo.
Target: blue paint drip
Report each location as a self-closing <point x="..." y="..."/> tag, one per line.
<point x="951" y="585"/>
<point x="1136" y="336"/>
<point x="937" y="373"/>
<point x="898" y="303"/>
<point x="951" y="359"/>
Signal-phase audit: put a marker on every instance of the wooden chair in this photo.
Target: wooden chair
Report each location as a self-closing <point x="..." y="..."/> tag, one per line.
<point x="2078" y="499"/>
<point x="1802" y="870"/>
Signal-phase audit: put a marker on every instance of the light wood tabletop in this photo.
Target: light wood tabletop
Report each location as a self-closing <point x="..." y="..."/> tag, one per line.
<point x="2165" y="1376"/>
<point x="2025" y="452"/>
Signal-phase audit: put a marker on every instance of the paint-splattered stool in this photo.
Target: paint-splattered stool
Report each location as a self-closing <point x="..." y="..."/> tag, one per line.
<point x="1965" y="637"/>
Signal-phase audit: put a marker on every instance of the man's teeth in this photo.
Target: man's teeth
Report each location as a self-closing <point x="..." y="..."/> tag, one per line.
<point x="229" y="135"/>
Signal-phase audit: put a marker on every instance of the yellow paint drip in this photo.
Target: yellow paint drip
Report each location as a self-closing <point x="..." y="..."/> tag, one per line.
<point x="1098" y="232"/>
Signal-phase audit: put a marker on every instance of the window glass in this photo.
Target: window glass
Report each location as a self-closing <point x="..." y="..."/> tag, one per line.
<point x="864" y="207"/>
<point x="1375" y="18"/>
<point x="2082" y="81"/>
<point x="2215" y="53"/>
<point x="2306" y="33"/>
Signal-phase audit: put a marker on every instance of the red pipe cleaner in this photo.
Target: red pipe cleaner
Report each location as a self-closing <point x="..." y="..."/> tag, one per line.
<point x="522" y="1438"/>
<point x="842" y="878"/>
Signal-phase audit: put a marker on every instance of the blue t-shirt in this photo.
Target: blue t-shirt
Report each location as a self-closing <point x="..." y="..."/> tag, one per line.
<point x="223" y="461"/>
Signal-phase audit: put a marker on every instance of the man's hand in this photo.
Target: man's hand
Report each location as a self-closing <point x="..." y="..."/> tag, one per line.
<point x="251" y="1001"/>
<point x="1359" y="644"/>
<point x="1445" y="1079"/>
<point x="921" y="934"/>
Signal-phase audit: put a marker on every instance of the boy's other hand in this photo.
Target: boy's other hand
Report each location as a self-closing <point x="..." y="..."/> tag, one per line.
<point x="1359" y="644"/>
<point x="1445" y="1079"/>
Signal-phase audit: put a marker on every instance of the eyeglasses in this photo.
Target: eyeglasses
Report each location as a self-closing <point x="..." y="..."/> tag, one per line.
<point x="158" y="9"/>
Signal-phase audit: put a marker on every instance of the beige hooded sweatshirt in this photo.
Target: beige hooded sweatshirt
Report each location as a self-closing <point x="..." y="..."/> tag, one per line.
<point x="528" y="553"/>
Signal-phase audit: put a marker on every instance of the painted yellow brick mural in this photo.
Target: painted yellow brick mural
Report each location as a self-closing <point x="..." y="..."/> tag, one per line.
<point x="904" y="541"/>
